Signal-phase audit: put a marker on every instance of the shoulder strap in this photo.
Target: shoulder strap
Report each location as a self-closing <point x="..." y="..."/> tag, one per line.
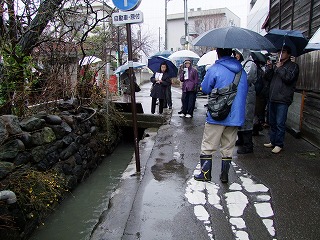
<point x="237" y="77"/>
<point x="249" y="60"/>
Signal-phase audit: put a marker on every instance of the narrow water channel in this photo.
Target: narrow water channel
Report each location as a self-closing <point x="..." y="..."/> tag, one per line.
<point x="78" y="214"/>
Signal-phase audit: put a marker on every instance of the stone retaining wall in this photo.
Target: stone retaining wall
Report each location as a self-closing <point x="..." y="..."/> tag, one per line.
<point x="72" y="143"/>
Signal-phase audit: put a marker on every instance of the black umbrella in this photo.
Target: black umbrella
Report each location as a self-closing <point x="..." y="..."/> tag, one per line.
<point x="155" y="62"/>
<point x="259" y="56"/>
<point x="292" y="38"/>
<point x="233" y="37"/>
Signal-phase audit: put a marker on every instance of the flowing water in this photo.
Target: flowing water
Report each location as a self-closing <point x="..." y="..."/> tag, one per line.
<point x="78" y="214"/>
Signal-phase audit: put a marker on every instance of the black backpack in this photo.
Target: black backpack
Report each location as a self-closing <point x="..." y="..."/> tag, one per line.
<point x="221" y="99"/>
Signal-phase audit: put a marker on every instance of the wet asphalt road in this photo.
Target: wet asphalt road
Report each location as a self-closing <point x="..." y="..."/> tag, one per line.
<point x="268" y="196"/>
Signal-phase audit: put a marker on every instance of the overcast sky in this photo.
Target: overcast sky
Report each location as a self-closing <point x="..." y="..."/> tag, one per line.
<point x="153" y="11"/>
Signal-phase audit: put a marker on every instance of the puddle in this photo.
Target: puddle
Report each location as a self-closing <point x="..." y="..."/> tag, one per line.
<point x="164" y="170"/>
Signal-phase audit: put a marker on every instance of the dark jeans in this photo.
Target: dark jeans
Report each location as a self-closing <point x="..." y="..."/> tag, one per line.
<point x="183" y="96"/>
<point x="153" y="105"/>
<point x="168" y="100"/>
<point x="277" y="121"/>
<point x="189" y="103"/>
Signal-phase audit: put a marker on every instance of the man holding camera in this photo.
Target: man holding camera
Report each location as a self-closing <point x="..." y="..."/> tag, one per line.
<point x="282" y="86"/>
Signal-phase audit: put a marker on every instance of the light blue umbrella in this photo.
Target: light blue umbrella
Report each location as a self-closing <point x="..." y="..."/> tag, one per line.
<point x="164" y="53"/>
<point x="183" y="54"/>
<point x="314" y="42"/>
<point x="89" y="60"/>
<point x="124" y="67"/>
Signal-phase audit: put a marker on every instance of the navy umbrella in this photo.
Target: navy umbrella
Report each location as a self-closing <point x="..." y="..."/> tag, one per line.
<point x="292" y="38"/>
<point x="233" y="37"/>
<point x="155" y="62"/>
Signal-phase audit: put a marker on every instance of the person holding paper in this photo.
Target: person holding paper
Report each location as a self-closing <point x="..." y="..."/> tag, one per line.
<point x="189" y="78"/>
<point x="160" y="80"/>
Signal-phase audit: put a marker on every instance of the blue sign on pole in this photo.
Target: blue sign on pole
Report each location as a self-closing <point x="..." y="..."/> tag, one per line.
<point x="125" y="49"/>
<point x="126" y="5"/>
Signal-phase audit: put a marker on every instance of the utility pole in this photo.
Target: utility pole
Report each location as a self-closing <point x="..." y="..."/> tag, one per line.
<point x="124" y="6"/>
<point x="159" y="40"/>
<point x="133" y="99"/>
<point x="186" y="33"/>
<point x="165" y="24"/>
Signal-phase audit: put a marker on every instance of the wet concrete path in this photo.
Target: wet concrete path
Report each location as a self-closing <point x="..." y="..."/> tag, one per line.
<point x="268" y="196"/>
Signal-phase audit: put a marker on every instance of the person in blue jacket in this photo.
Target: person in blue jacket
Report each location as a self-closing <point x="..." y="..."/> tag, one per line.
<point x="222" y="135"/>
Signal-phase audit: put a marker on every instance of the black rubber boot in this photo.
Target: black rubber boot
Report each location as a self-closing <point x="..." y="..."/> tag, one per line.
<point x="206" y="164"/>
<point x="247" y="146"/>
<point x="225" y="166"/>
<point x="239" y="141"/>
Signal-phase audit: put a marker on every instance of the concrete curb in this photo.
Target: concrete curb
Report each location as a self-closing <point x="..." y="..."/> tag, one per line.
<point x="122" y="199"/>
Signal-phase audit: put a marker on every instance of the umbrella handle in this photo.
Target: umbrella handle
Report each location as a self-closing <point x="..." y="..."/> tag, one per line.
<point x="284" y="43"/>
<point x="279" y="60"/>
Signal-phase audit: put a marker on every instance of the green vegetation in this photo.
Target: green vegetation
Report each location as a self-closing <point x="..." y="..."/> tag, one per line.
<point x="37" y="192"/>
<point x="16" y="79"/>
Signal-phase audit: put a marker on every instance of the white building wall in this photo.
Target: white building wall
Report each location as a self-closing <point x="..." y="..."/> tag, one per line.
<point x="257" y="15"/>
<point x="175" y="32"/>
<point x="176" y="24"/>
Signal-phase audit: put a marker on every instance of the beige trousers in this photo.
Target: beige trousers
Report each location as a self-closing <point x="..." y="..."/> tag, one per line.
<point x="218" y="137"/>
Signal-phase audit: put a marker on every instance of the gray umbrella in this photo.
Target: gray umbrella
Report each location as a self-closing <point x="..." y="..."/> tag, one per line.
<point x="233" y="37"/>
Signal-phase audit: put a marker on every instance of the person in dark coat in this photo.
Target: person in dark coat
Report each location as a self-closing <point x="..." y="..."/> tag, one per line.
<point x="126" y="86"/>
<point x="160" y="80"/>
<point x="262" y="119"/>
<point x="282" y="87"/>
<point x="245" y="131"/>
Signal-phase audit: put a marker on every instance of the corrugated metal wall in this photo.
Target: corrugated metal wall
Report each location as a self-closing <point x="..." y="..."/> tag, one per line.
<point x="302" y="15"/>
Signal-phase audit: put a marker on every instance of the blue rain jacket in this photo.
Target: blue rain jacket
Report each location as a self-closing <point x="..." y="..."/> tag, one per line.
<point x="221" y="74"/>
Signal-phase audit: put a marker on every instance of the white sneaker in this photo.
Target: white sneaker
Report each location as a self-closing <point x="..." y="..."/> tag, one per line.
<point x="268" y="145"/>
<point x="188" y="116"/>
<point x="181" y="115"/>
<point x="276" y="149"/>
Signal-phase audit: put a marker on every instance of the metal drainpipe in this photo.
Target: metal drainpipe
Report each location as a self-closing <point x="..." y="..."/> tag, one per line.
<point x="9" y="196"/>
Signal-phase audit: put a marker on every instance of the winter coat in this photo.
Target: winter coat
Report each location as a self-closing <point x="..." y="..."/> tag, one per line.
<point x="221" y="74"/>
<point x="125" y="82"/>
<point x="251" y="69"/>
<point x="190" y="84"/>
<point x="283" y="83"/>
<point x="158" y="89"/>
<point x="268" y="73"/>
